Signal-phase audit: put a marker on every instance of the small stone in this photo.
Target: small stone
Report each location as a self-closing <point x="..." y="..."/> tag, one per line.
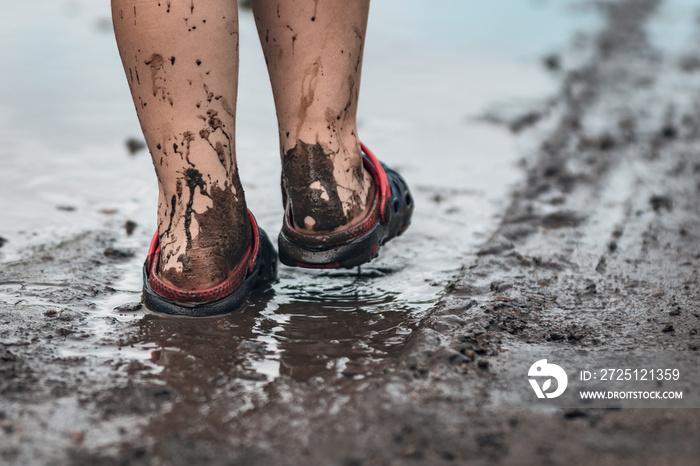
<point x="7" y="426"/>
<point x="498" y="286"/>
<point x="64" y="331"/>
<point x="552" y="62"/>
<point x="575" y="413"/>
<point x="669" y="132"/>
<point x="129" y="307"/>
<point x="134" y="145"/>
<point x="130" y="226"/>
<point x="602" y="265"/>
<point x="118" y="253"/>
<point x="557" y="336"/>
<point x="659" y="202"/>
<point x="252" y="375"/>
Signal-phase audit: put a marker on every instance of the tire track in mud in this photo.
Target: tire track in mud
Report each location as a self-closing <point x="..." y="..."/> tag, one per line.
<point x="603" y="184"/>
<point x="598" y="250"/>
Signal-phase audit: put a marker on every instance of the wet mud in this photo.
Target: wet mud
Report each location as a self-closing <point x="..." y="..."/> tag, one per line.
<point x="307" y="171"/>
<point x="222" y="238"/>
<point x="231" y="229"/>
<point x="597" y="250"/>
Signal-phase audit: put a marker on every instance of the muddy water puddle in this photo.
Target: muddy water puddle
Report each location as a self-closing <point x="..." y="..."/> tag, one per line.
<point x="424" y="92"/>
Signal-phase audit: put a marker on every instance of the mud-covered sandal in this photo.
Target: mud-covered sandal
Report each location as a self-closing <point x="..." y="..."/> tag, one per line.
<point x="257" y="268"/>
<point x="388" y="217"/>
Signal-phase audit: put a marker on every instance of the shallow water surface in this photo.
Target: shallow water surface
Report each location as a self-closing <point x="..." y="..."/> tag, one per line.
<point x="429" y="73"/>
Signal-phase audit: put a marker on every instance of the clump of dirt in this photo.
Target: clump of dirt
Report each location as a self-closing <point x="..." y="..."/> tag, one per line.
<point x="134" y="146"/>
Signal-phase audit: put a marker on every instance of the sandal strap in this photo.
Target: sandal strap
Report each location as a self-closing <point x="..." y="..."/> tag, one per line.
<point x="381" y="181"/>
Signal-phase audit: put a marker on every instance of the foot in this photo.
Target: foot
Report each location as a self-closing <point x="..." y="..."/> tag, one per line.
<point x="389" y="216"/>
<point x="258" y="267"/>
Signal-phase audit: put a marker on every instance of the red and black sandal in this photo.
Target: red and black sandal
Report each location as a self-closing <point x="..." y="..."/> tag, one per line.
<point x="388" y="218"/>
<point x="257" y="268"/>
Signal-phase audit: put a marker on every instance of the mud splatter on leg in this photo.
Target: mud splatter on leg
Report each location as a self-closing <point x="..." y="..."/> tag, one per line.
<point x="316" y="89"/>
<point x="187" y="113"/>
<point x="308" y="179"/>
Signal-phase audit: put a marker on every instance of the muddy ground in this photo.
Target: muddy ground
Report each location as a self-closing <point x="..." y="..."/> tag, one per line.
<point x="598" y="251"/>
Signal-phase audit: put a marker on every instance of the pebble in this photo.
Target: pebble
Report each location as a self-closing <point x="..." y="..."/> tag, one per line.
<point x="118" y="253"/>
<point x="128" y="307"/>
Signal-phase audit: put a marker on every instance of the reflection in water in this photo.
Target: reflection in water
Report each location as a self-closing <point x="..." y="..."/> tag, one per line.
<point x="304" y="337"/>
<point x="316" y="338"/>
<point x="214" y="370"/>
<point x="197" y="355"/>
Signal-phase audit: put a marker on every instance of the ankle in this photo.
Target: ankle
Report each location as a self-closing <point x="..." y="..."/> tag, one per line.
<point x="218" y="240"/>
<point x="327" y="190"/>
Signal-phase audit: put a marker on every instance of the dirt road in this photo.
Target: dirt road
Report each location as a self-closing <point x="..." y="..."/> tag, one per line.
<point x="596" y="254"/>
